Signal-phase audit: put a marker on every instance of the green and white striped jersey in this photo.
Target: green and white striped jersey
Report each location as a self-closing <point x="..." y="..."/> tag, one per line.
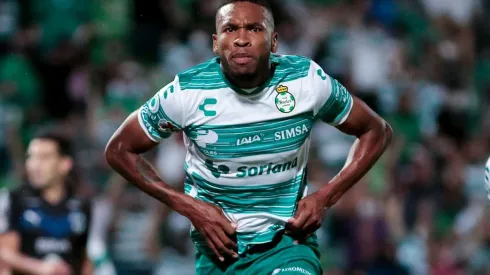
<point x="247" y="152"/>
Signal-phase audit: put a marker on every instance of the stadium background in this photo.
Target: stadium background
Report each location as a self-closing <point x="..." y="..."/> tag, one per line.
<point x="82" y="66"/>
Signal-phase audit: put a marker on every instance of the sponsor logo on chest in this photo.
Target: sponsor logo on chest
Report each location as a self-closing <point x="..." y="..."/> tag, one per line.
<point x="291" y="132"/>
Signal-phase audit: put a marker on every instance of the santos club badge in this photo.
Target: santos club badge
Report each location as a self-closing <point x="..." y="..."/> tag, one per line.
<point x="285" y="101"/>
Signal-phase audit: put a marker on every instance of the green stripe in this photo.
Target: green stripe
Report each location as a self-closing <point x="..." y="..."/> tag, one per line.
<point x="344" y="112"/>
<point x="204" y="76"/>
<point x="242" y="140"/>
<point x="151" y="120"/>
<point x="240" y="208"/>
<point x="256" y="126"/>
<point x="278" y="199"/>
<point x="244" y="239"/>
<point x="337" y="104"/>
<point x="188" y="185"/>
<point x="203" y="183"/>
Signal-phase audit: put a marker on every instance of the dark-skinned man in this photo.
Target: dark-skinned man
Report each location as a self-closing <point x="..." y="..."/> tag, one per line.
<point x="247" y="116"/>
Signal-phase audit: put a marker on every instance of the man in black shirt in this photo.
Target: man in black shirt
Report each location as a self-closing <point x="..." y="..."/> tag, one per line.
<point x="43" y="225"/>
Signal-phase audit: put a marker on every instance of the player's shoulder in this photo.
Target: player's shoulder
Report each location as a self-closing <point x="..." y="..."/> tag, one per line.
<point x="18" y="195"/>
<point x="292" y="67"/>
<point x="291" y="62"/>
<point x="21" y="192"/>
<point x="206" y="75"/>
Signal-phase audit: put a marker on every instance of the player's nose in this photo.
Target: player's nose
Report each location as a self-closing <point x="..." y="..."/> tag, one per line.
<point x="242" y="39"/>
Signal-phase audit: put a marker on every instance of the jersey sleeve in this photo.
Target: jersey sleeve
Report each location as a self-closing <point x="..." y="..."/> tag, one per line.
<point x="487" y="178"/>
<point x="6" y="212"/>
<point x="163" y="114"/>
<point x="333" y="103"/>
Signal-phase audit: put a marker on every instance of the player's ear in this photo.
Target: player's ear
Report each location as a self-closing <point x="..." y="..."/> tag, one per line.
<point x="215" y="44"/>
<point x="67" y="165"/>
<point x="275" y="44"/>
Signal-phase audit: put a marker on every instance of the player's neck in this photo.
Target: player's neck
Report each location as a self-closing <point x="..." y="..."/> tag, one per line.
<point x="250" y="82"/>
<point x="54" y="193"/>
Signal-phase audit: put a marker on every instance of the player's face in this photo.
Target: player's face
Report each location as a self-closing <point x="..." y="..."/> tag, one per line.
<point x="244" y="40"/>
<point x="44" y="164"/>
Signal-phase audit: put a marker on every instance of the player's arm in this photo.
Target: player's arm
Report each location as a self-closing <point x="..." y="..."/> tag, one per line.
<point x="87" y="266"/>
<point x="123" y="153"/>
<point x="139" y="133"/>
<point x="373" y="136"/>
<point x="11" y="258"/>
<point x="337" y="107"/>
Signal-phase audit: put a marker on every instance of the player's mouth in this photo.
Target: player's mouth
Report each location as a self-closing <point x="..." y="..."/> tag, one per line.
<point x="241" y="58"/>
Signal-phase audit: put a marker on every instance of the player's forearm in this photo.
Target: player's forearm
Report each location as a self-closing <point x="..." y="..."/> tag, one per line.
<point x="140" y="173"/>
<point x="4" y="269"/>
<point x="14" y="260"/>
<point x="365" y="151"/>
<point x="87" y="267"/>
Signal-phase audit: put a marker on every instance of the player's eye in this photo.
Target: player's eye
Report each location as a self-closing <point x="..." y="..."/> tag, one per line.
<point x="256" y="29"/>
<point x="228" y="30"/>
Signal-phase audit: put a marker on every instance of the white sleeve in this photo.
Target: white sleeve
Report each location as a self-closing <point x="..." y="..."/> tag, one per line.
<point x="333" y="102"/>
<point x="4" y="211"/>
<point x="163" y="114"/>
<point x="487" y="178"/>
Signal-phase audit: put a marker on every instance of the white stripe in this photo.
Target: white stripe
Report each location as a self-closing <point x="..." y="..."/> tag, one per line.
<point x="256" y="222"/>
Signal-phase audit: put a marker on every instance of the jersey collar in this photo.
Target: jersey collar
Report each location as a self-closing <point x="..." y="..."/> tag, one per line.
<point x="274" y="62"/>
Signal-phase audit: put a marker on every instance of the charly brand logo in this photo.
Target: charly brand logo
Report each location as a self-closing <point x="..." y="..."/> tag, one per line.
<point x="167" y="91"/>
<point x="285" y="101"/>
<point x="320" y="73"/>
<point x="154" y="104"/>
<point x="203" y="106"/>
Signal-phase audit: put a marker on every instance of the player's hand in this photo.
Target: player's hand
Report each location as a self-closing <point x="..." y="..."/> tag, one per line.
<point x="308" y="218"/>
<point x="55" y="268"/>
<point x="215" y="228"/>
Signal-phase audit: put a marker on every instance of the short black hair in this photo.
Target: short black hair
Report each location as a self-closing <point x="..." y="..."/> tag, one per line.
<point x="63" y="143"/>
<point x="264" y="3"/>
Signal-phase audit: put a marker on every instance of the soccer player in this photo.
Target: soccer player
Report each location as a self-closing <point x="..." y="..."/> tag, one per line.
<point x="43" y="225"/>
<point x="247" y="115"/>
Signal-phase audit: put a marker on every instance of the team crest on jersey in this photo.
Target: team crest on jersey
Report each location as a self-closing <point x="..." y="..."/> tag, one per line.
<point x="285" y="101"/>
<point x="166" y="126"/>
